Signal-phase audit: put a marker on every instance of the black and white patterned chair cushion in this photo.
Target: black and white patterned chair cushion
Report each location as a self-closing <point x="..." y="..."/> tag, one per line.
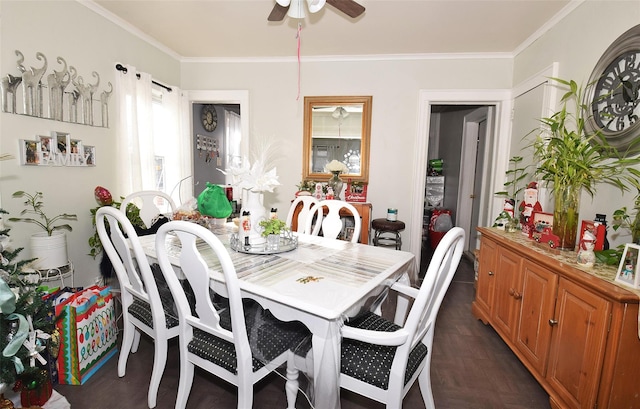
<point x="142" y="311"/>
<point x="371" y="363"/>
<point x="268" y="337"/>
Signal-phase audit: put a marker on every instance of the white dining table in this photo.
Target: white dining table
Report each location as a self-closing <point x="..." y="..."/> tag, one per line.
<point x="321" y="283"/>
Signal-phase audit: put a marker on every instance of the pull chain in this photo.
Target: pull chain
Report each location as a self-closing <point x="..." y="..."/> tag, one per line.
<point x="298" y="36"/>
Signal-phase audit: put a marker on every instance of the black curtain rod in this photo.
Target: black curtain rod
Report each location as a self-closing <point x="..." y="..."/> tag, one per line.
<point x="122" y="68"/>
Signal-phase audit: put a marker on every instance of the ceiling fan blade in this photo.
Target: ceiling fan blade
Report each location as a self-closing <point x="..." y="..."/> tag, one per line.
<point x="348" y="7"/>
<point x="277" y="13"/>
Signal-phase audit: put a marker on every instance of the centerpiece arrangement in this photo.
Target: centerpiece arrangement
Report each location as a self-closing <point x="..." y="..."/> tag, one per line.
<point x="335" y="183"/>
<point x="254" y="177"/>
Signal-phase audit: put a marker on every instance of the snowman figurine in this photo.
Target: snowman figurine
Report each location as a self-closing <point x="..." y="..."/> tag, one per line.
<point x="586" y="256"/>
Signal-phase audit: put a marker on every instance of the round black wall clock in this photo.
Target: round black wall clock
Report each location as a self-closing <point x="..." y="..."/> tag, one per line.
<point x="209" y="117"/>
<point x="614" y="94"/>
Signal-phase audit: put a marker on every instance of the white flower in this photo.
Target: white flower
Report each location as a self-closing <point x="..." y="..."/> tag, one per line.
<point x="335" y="166"/>
<point x="256" y="177"/>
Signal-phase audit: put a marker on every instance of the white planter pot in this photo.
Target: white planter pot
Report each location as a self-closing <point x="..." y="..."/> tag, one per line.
<point x="50" y="251"/>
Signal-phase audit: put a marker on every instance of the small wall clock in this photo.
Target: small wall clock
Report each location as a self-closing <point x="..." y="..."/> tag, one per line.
<point x="209" y="117"/>
<point x="614" y="95"/>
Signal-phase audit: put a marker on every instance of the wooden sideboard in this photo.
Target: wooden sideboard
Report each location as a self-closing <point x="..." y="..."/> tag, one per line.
<point x="365" y="215"/>
<point x="574" y="329"/>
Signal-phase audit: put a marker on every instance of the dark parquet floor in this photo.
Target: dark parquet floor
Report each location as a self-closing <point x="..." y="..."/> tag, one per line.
<point x="472" y="368"/>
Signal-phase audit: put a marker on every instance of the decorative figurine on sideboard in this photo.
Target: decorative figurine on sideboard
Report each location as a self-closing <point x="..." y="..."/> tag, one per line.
<point x="529" y="205"/>
<point x="586" y="256"/>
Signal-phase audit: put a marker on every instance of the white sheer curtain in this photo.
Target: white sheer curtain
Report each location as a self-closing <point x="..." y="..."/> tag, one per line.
<point x="143" y="136"/>
<point x="177" y="143"/>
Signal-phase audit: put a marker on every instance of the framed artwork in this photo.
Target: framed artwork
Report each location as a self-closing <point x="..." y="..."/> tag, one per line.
<point x="29" y="152"/>
<point x="628" y="273"/>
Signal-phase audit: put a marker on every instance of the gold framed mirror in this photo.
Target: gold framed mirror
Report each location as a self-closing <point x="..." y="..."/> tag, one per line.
<point x="336" y="128"/>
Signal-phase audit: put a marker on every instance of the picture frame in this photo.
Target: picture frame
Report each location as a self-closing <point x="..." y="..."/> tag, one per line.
<point x="29" y="152"/>
<point x="348" y="233"/>
<point x="629" y="268"/>
<point x="62" y="142"/>
<point x="540" y="222"/>
<point x="89" y="155"/>
<point x="46" y="143"/>
<point x="356" y="192"/>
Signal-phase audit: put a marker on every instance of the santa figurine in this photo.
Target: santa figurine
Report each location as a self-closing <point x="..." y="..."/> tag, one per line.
<point x="529" y="205"/>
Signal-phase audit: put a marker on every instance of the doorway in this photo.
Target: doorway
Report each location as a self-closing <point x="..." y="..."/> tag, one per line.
<point x="206" y="162"/>
<point x="458" y="136"/>
<point x="496" y="147"/>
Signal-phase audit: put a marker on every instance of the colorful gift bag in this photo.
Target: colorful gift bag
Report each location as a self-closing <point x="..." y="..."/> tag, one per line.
<point x="88" y="334"/>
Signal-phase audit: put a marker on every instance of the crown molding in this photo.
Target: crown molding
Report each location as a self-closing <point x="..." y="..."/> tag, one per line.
<point x="340" y="58"/>
<point x="128" y="27"/>
<point x="548" y="26"/>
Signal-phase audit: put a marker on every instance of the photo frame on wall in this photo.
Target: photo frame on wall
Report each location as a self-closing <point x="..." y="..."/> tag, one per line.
<point x="58" y="149"/>
<point x="29" y="152"/>
<point x="89" y="155"/>
<point x="62" y="142"/>
<point x="46" y="144"/>
<point x="628" y="272"/>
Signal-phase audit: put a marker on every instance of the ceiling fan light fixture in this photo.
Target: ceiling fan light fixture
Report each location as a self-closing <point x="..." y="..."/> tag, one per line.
<point x="340" y="113"/>
<point x="316" y="5"/>
<point x="296" y="9"/>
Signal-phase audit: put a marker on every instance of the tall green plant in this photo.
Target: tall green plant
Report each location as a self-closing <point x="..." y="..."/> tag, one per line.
<point x="515" y="175"/>
<point x="35" y="206"/>
<point x="567" y="156"/>
<point x="570" y="159"/>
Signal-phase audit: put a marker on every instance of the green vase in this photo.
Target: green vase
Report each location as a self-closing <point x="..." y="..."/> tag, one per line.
<point x="565" y="215"/>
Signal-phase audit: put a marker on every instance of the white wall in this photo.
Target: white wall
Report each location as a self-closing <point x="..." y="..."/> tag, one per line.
<point x="90" y="43"/>
<point x="576" y="44"/>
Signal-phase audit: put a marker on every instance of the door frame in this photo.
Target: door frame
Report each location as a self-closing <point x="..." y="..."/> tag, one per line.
<point x="498" y="148"/>
<point x="221" y="97"/>
<point x="468" y="167"/>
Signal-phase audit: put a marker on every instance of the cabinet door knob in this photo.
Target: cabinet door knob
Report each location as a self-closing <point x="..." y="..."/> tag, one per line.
<point x="553" y="322"/>
<point x="517" y="295"/>
<point x="491" y="273"/>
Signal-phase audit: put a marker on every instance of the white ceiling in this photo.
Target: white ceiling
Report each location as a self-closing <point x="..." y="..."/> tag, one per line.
<point x="237" y="29"/>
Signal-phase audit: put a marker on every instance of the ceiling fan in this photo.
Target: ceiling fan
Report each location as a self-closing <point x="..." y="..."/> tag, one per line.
<point x="294" y="8"/>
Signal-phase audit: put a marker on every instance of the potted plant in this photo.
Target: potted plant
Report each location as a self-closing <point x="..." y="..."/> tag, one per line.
<point x="622" y="219"/>
<point x="50" y="246"/>
<point x="272" y="229"/>
<point x="515" y="175"/>
<point x="571" y="159"/>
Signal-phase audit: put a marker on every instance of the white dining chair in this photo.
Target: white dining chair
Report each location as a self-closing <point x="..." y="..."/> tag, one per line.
<point x="151" y="204"/>
<point x="147" y="304"/>
<point x="305" y="203"/>
<point x="381" y="359"/>
<point x="331" y="223"/>
<point x="223" y="334"/>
